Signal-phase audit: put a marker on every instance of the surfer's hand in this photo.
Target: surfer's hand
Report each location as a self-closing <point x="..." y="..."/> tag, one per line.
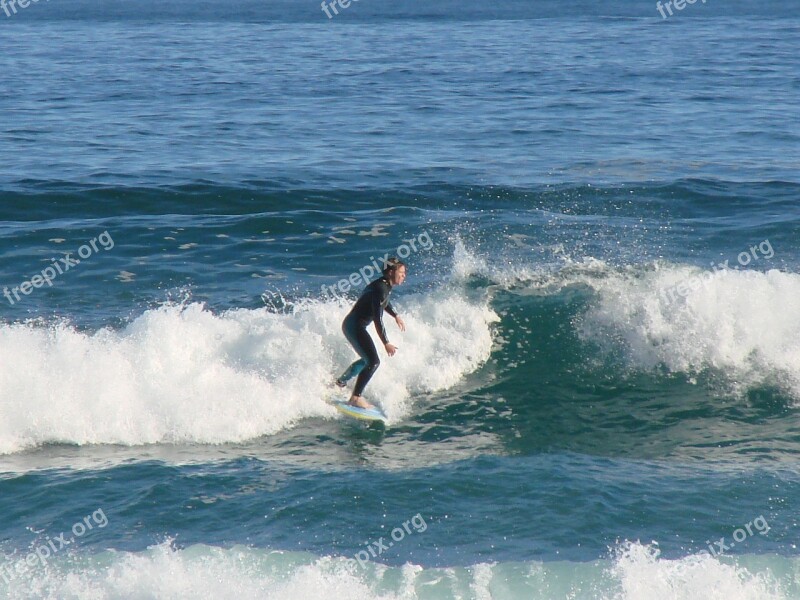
<point x="390" y="349"/>
<point x="400" y="323"/>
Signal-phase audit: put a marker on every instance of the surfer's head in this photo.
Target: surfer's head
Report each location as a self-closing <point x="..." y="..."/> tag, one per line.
<point x="394" y="270"/>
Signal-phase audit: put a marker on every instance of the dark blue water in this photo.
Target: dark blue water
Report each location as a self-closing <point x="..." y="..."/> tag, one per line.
<point x="597" y="393"/>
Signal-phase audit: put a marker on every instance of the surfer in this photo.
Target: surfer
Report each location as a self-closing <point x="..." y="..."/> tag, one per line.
<point x="368" y="308"/>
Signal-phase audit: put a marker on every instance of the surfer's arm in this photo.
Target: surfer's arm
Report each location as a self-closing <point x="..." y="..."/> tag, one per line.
<point x="390" y="309"/>
<point x="400" y="323"/>
<point x="377" y="316"/>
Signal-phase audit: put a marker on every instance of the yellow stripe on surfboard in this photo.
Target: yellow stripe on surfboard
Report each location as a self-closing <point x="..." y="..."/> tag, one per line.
<point x="363" y="414"/>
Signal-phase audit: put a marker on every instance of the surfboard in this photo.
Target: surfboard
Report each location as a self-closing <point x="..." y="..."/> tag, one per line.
<point x="363" y="414"/>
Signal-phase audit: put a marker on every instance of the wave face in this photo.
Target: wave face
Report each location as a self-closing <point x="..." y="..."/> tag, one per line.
<point x="682" y="319"/>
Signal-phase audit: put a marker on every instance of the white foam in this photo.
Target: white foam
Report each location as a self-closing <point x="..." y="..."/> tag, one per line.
<point x="182" y="374"/>
<point x="242" y="573"/>
<point x="640" y="573"/>
<point x="743" y="323"/>
<point x="468" y="263"/>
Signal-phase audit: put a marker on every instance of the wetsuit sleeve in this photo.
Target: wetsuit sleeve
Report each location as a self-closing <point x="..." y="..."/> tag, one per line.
<point x="390" y="309"/>
<point x="377" y="315"/>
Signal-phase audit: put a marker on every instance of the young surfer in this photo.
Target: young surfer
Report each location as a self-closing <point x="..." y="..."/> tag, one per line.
<point x="368" y="308"/>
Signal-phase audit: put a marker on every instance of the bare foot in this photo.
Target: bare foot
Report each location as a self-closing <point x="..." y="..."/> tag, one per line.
<point x="359" y="402"/>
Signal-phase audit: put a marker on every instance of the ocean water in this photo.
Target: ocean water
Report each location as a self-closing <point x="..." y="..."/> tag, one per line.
<point x="598" y="391"/>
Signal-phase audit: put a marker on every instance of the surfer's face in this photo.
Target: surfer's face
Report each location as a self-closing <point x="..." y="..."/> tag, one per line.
<point x="397" y="276"/>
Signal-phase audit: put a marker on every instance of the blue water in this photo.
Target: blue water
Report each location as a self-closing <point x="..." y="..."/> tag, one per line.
<point x="598" y="389"/>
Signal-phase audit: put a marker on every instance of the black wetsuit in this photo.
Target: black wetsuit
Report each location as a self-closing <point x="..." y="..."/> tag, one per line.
<point x="368" y="308"/>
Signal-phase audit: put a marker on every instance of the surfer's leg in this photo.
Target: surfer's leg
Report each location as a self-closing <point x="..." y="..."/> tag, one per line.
<point x="365" y="366"/>
<point x="372" y="361"/>
<point x="350" y="329"/>
<point x="351" y="371"/>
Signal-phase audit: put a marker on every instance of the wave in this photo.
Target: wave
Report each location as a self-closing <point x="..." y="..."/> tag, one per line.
<point x="27" y="200"/>
<point x="182" y="374"/>
<point x="743" y="324"/>
<point x="635" y="572"/>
